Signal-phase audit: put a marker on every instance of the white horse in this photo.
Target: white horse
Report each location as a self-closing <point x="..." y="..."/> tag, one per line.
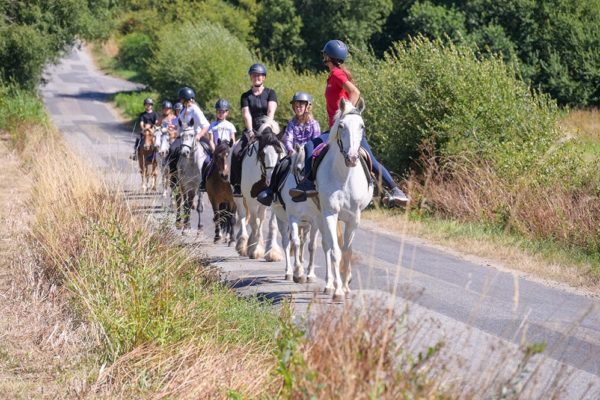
<point x="295" y="222"/>
<point x="162" y="143"/>
<point x="261" y="157"/>
<point x="344" y="191"/>
<point x="189" y="169"/>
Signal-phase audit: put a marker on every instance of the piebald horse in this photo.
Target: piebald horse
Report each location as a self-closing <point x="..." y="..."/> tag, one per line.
<point x="261" y="157"/>
<point x="295" y="222"/>
<point x="147" y="160"/>
<point x="344" y="191"/>
<point x="189" y="169"/>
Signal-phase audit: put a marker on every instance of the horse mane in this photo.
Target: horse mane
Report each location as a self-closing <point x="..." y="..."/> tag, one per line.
<point x="268" y="138"/>
<point x="349" y="108"/>
<point x="268" y="123"/>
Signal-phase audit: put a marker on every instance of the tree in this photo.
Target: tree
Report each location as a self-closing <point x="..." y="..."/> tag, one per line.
<point x="354" y="21"/>
<point x="278" y="29"/>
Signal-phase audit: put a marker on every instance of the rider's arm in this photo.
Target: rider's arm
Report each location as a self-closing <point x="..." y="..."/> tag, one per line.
<point x="271" y="104"/>
<point x="353" y="92"/>
<point x="247" y="118"/>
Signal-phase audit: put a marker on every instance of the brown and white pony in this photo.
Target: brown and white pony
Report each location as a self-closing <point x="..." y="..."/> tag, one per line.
<point x="220" y="194"/>
<point x="147" y="160"/>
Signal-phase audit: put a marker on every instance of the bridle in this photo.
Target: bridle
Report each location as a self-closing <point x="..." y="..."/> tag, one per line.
<point x="339" y="137"/>
<point x="187" y="132"/>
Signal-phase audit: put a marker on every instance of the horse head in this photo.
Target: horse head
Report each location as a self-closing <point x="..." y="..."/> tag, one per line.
<point x="188" y="142"/>
<point x="270" y="149"/>
<point x="148" y="139"/>
<point x="348" y="130"/>
<point x="297" y="160"/>
<point x="165" y="143"/>
<point x="220" y="157"/>
<point x="158" y="137"/>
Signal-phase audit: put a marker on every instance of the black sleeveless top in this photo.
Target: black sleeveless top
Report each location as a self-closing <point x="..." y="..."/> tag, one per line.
<point x="258" y="104"/>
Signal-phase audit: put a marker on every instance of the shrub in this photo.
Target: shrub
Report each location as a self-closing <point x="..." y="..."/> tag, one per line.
<point x="424" y="88"/>
<point x="210" y="60"/>
<point x="132" y="103"/>
<point x="135" y="51"/>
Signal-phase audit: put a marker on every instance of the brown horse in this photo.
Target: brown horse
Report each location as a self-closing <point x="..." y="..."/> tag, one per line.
<point x="220" y="195"/>
<point x="147" y="160"/>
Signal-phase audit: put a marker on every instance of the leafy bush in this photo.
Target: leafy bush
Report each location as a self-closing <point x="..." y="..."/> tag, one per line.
<point x="426" y="89"/>
<point x="23" y="53"/>
<point x="135" y="51"/>
<point x="210" y="60"/>
<point x="132" y="103"/>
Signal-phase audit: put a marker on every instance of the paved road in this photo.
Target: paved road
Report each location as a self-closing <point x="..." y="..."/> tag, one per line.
<point x="475" y="309"/>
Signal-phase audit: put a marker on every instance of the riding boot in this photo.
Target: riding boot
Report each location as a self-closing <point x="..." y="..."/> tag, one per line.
<point x="266" y="196"/>
<point x="134" y="156"/>
<point x="236" y="167"/>
<point x="205" y="168"/>
<point x="396" y="198"/>
<point x="306" y="188"/>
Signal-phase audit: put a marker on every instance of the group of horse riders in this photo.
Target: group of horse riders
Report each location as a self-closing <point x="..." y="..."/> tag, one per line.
<point x="258" y="105"/>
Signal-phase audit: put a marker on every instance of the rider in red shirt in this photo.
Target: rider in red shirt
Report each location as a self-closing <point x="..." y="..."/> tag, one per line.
<point x="340" y="84"/>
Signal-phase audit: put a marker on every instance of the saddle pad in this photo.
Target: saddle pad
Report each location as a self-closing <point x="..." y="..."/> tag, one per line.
<point x="317" y="150"/>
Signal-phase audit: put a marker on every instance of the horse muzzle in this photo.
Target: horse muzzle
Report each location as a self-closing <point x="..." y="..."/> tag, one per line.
<point x="351" y="160"/>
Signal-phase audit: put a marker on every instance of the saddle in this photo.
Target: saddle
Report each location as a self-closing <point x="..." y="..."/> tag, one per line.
<point x="365" y="161"/>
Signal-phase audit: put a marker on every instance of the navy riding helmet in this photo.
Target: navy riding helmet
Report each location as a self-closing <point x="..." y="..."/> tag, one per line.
<point x="148" y="100"/>
<point x="257" y="69"/>
<point x="178" y="106"/>
<point x="167" y="104"/>
<point x="186" y="93"/>
<point x="336" y="49"/>
<point x="222" y="104"/>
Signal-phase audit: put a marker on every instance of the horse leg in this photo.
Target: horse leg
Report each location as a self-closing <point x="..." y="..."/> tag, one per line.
<point x="285" y="241"/>
<point x="346" y="266"/>
<point x="296" y="244"/>
<point x="332" y="252"/>
<point x="256" y="247"/>
<point x="273" y="252"/>
<point x="312" y="247"/>
<point x="154" y="173"/>
<point x="200" y="208"/>
<point x="241" y="245"/>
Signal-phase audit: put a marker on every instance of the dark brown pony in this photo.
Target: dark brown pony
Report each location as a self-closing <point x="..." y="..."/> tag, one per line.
<point x="220" y="194"/>
<point x="147" y="160"/>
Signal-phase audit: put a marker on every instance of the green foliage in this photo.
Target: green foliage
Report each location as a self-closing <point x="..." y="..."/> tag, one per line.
<point x="426" y="89"/>
<point x="278" y="30"/>
<point x="23" y="53"/>
<point x="18" y="107"/>
<point x="354" y="21"/>
<point x="556" y="41"/>
<point x="210" y="60"/>
<point x="135" y="51"/>
<point x="132" y="103"/>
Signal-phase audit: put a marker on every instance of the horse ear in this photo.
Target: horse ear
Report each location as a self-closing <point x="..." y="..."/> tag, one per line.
<point x="360" y="105"/>
<point x="296" y="147"/>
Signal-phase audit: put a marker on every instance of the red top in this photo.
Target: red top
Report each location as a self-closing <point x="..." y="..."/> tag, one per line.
<point x="335" y="91"/>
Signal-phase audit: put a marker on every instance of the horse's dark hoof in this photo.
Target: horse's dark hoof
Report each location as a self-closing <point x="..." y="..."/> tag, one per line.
<point x="328" y="291"/>
<point x="337" y="298"/>
<point x="217" y="238"/>
<point x="288" y="277"/>
<point x="200" y="227"/>
<point x="300" y="279"/>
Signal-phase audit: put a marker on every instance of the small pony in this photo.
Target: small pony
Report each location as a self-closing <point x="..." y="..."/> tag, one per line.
<point x="220" y="194"/>
<point x="147" y="160"/>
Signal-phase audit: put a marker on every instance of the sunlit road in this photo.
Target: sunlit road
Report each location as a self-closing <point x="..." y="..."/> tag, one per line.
<point x="460" y="295"/>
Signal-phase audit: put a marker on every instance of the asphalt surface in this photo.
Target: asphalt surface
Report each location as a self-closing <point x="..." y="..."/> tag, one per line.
<point x="480" y="312"/>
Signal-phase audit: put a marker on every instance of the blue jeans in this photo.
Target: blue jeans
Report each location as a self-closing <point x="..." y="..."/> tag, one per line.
<point x="380" y="169"/>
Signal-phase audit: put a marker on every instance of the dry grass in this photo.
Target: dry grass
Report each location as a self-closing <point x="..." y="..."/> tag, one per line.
<point x="583" y="124"/>
<point x="44" y="351"/>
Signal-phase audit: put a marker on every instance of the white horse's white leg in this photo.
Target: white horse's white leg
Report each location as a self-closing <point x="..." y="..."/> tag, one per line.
<point x="273" y="251"/>
<point x="303" y="234"/>
<point x="256" y="247"/>
<point x="285" y="241"/>
<point x="346" y="266"/>
<point x="312" y="247"/>
<point x="332" y="257"/>
<point x="296" y="242"/>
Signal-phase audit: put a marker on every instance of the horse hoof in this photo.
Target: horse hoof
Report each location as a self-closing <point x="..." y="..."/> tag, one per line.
<point x="300" y="279"/>
<point x="338" y="298"/>
<point x="311" y="279"/>
<point x="328" y="291"/>
<point x="216" y="239"/>
<point x="288" y="277"/>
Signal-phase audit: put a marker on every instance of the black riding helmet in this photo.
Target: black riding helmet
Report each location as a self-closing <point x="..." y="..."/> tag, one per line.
<point x="336" y="49"/>
<point x="302" y="96"/>
<point x="257" y="69"/>
<point x="148" y="100"/>
<point x="186" y="93"/>
<point x="167" y="104"/>
<point x="222" y="104"/>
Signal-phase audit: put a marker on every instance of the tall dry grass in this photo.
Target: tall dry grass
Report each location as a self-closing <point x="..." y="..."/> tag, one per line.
<point x="552" y="210"/>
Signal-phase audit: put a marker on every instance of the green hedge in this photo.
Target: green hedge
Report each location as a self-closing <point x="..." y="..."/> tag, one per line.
<point x="424" y="89"/>
<point x="135" y="51"/>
